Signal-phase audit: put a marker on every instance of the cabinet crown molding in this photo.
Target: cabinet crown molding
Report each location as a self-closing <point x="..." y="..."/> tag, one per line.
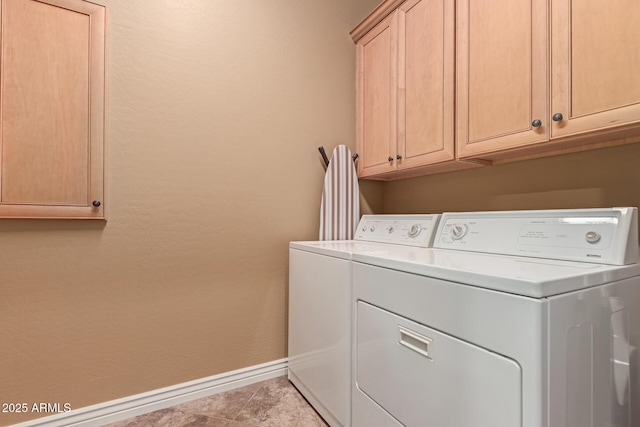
<point x="378" y="14"/>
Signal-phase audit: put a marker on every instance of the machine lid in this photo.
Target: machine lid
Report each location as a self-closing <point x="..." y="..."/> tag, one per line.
<point x="335" y="248"/>
<point x="524" y="276"/>
<point x="602" y="236"/>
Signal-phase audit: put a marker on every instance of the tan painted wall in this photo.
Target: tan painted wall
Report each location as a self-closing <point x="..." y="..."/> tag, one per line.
<point x="217" y="108"/>
<point x="598" y="178"/>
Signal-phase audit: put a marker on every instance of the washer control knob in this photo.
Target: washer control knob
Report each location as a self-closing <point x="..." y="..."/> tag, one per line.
<point x="414" y="230"/>
<point x="458" y="231"/>
<point x="372" y="228"/>
<point x="592" y="237"/>
<point x="390" y="229"/>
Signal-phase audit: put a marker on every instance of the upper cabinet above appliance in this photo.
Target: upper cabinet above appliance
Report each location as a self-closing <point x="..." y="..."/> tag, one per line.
<point x="502" y="75"/>
<point x="595" y="63"/>
<point x="531" y="78"/>
<point x="503" y="98"/>
<point x="405" y="90"/>
<point x="52" y="161"/>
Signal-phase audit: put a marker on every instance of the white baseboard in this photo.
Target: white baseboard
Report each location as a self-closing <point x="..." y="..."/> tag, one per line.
<point x="127" y="407"/>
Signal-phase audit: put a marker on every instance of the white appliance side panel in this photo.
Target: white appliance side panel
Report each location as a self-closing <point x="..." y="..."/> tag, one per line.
<point x="594" y="356"/>
<point x="319" y="331"/>
<point x="424" y="377"/>
<point x="367" y="413"/>
<point x="511" y="325"/>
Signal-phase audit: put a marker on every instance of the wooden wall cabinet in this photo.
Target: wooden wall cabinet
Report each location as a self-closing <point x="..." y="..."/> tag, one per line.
<point x="536" y="77"/>
<point x="376" y="93"/>
<point x="501" y="75"/>
<point x="52" y="124"/>
<point x="595" y="63"/>
<point x="405" y="90"/>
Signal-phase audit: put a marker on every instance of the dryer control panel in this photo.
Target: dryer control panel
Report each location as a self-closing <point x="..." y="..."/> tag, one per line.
<point x="604" y="236"/>
<point x="406" y="230"/>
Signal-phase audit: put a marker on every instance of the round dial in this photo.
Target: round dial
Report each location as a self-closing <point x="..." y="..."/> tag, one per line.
<point x="414" y="230"/>
<point x="592" y="237"/>
<point x="458" y="231"/>
<point x="390" y="229"/>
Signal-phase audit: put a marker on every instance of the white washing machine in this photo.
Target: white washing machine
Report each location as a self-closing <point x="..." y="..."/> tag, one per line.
<point x="513" y="319"/>
<point x="320" y="307"/>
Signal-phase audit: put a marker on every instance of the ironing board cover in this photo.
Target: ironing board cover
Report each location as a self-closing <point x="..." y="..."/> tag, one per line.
<point x="340" y="206"/>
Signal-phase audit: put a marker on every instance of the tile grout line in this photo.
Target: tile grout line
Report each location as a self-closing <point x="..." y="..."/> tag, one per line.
<point x="197" y="414"/>
<point x="247" y="404"/>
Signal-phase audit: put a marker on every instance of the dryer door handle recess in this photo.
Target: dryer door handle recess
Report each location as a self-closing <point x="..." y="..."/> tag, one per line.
<point x="414" y="341"/>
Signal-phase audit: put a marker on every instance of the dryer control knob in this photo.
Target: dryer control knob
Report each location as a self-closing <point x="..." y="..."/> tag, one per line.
<point x="592" y="237"/>
<point x="414" y="230"/>
<point x="458" y="231"/>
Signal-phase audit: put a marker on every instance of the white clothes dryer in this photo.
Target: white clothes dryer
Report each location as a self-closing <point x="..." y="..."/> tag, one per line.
<point x="513" y="319"/>
<point x="320" y="307"/>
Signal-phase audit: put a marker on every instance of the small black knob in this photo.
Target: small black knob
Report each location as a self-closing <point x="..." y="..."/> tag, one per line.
<point x="390" y="159"/>
<point x="399" y="157"/>
<point x="96" y="203"/>
<point x="536" y="123"/>
<point x="557" y="117"/>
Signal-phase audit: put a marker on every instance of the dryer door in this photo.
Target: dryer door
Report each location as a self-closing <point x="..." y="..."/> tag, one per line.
<point x="424" y="377"/>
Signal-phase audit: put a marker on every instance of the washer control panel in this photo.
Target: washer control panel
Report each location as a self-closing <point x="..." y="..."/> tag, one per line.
<point x="407" y="230"/>
<point x="606" y="236"/>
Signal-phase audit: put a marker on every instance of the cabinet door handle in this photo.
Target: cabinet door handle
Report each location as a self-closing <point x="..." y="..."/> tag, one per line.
<point x="390" y="159"/>
<point x="96" y="203"/>
<point x="557" y="117"/>
<point x="399" y="157"/>
<point x="536" y="123"/>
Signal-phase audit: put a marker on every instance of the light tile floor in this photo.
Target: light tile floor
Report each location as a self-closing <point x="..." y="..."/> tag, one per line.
<point x="270" y="403"/>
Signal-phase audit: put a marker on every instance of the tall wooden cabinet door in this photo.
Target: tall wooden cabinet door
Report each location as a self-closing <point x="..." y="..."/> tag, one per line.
<point x="501" y="75"/>
<point x="53" y="108"/>
<point x="376" y="65"/>
<point x="595" y="65"/>
<point x="426" y="82"/>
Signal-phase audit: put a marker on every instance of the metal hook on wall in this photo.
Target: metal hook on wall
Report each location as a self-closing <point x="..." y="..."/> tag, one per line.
<point x="326" y="159"/>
